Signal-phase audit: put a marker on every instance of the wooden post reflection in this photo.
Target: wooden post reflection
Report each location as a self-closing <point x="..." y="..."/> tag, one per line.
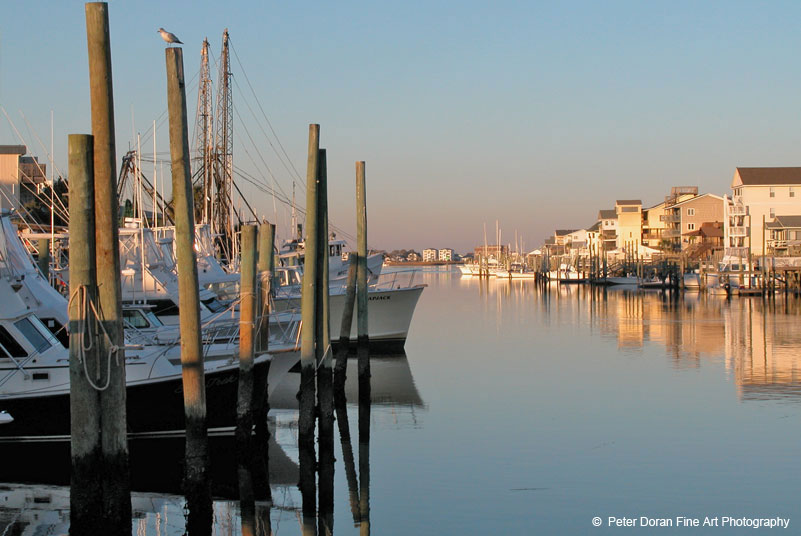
<point x="340" y="403"/>
<point x="364" y="455"/>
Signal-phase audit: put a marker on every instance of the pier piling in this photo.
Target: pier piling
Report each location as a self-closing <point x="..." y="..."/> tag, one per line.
<point x="196" y="483"/>
<point x="343" y="350"/>
<point x="86" y="504"/>
<point x="247" y="326"/>
<point x="325" y="395"/>
<point x="266" y="267"/>
<point x="309" y="300"/>
<point x="363" y="340"/>
<point x="113" y="422"/>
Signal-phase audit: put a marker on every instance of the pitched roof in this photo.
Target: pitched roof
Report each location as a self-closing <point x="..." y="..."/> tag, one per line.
<point x="13" y="149"/>
<point x="607" y="214"/>
<point x="763" y="176"/>
<point x="784" y="222"/>
<point x="628" y="202"/>
<point x="564" y="232"/>
<point x="696" y="198"/>
<point x="595" y="227"/>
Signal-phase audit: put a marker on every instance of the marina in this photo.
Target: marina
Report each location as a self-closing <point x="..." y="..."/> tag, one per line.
<point x="203" y="333"/>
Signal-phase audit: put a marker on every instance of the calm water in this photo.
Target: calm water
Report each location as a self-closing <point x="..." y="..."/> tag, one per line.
<point x="519" y="410"/>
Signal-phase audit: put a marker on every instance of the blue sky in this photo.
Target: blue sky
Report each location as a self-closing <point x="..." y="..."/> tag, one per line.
<point x="532" y="113"/>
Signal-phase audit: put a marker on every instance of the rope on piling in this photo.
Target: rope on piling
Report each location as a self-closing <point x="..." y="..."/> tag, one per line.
<point x="84" y="332"/>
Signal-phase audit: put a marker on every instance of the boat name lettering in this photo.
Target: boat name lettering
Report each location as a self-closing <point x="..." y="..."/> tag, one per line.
<point x="379" y="298"/>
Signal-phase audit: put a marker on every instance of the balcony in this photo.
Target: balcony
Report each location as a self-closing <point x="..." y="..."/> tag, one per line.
<point x="738" y="210"/>
<point x="670" y="218"/>
<point x="736" y="252"/>
<point x="671" y="233"/>
<point x="738" y="231"/>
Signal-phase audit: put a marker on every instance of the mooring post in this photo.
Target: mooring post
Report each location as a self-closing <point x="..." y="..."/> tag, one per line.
<point x="113" y="422"/>
<point x="247" y="326"/>
<point x="43" y="257"/>
<point x="196" y="482"/>
<point x="266" y="266"/>
<point x="325" y="395"/>
<point x="86" y="494"/>
<point x="340" y="371"/>
<point x="309" y="295"/>
<point x="363" y="340"/>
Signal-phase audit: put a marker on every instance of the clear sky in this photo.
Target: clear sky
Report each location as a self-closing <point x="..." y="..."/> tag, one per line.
<point x="536" y="114"/>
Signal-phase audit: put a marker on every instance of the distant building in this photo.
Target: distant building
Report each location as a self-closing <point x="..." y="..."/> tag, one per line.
<point x="413" y="257"/>
<point x="494" y="252"/>
<point x="689" y="215"/>
<point x="783" y="236"/>
<point x="608" y="227"/>
<point x="759" y="196"/>
<point x="629" y="224"/>
<point x="429" y="255"/>
<point x="445" y="254"/>
<point x="17" y="174"/>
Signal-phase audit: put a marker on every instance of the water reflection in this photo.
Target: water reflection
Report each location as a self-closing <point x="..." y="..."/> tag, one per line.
<point x="255" y="494"/>
<point x="756" y="339"/>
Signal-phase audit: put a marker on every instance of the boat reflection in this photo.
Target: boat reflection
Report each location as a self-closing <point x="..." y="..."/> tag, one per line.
<point x="756" y="341"/>
<point x="251" y="498"/>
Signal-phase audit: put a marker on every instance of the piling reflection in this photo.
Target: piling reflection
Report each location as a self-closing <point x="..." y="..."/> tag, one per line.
<point x="255" y="492"/>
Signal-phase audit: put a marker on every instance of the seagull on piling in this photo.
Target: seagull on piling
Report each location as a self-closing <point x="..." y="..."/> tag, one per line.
<point x="168" y="37"/>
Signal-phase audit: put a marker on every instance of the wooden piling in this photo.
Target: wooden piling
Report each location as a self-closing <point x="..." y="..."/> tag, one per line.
<point x="266" y="267"/>
<point x="196" y="482"/>
<point x="247" y="327"/>
<point x="363" y="340"/>
<point x="347" y="325"/>
<point x="113" y="422"/>
<point x="309" y="295"/>
<point x="325" y="395"/>
<point x="86" y="498"/>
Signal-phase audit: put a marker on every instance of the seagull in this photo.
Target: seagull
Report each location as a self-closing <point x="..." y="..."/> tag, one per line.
<point x="169" y="37"/>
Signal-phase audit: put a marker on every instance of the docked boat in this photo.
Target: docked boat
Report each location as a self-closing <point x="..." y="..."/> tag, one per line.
<point x="5" y="417"/>
<point x="293" y="253"/>
<point x="392" y="300"/>
<point x="35" y="378"/>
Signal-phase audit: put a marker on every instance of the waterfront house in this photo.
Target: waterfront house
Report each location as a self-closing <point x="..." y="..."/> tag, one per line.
<point x="608" y="225"/>
<point x="783" y="236"/>
<point x="20" y="176"/>
<point x="686" y="217"/>
<point x="759" y="196"/>
<point x="629" y="224"/>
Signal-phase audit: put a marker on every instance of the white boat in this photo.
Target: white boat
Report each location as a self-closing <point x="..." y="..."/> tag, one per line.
<point x="5" y="417"/>
<point x="622" y="280"/>
<point x="293" y="253"/>
<point x="391" y="303"/>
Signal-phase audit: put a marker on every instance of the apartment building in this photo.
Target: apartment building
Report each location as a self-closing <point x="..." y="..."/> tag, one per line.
<point x="629" y="224"/>
<point x="445" y="254"/>
<point x="429" y="255"/>
<point x="759" y="195"/>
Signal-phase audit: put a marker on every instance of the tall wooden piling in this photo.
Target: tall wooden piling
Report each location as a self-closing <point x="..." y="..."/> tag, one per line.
<point x="346" y="326"/>
<point x="247" y="327"/>
<point x="86" y="499"/>
<point x="309" y="299"/>
<point x="113" y="423"/>
<point x="325" y="395"/>
<point x="196" y="483"/>
<point x="266" y="267"/>
<point x="363" y="340"/>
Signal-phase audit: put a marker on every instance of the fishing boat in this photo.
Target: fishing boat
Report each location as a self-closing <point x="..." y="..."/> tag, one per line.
<point x="392" y="299"/>
<point x="35" y="378"/>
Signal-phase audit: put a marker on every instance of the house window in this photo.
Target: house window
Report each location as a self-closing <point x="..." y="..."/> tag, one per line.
<point x="691" y="212"/>
<point x="792" y="191"/>
<point x="691" y="227"/>
<point x="772" y="191"/>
